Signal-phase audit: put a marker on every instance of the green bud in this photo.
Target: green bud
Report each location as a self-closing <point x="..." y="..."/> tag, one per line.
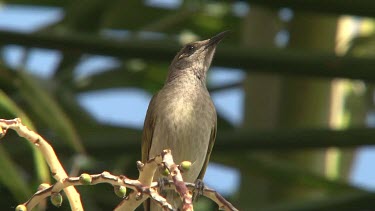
<point x="85" y="179"/>
<point x="21" y="207"/>
<point x="56" y="199"/>
<point x="165" y="171"/>
<point x="185" y="165"/>
<point x="120" y="191"/>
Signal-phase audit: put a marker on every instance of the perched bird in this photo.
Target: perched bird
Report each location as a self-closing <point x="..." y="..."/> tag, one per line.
<point x="182" y="116"/>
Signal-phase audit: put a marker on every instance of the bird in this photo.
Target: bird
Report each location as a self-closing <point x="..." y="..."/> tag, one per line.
<point x="182" y="116"/>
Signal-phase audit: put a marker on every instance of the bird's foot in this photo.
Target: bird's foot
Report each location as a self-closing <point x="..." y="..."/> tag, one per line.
<point x="198" y="190"/>
<point x="162" y="183"/>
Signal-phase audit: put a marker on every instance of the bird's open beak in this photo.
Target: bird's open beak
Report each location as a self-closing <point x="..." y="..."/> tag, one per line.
<point x="216" y="39"/>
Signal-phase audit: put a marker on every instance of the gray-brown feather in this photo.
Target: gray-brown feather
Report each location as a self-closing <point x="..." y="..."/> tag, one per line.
<point x="181" y="117"/>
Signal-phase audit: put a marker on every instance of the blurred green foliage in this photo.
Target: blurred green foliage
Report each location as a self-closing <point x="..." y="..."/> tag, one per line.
<point x="50" y="106"/>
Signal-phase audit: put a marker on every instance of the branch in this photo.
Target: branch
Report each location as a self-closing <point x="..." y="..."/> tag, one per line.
<point x="143" y="187"/>
<point x="49" y="155"/>
<point x="284" y="62"/>
<point x="338" y="7"/>
<point x="146" y="174"/>
<point x="122" y="181"/>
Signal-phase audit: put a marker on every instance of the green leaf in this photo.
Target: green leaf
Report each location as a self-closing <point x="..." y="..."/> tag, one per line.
<point x="151" y="79"/>
<point x="11" y="178"/>
<point x="8" y="106"/>
<point x="48" y="110"/>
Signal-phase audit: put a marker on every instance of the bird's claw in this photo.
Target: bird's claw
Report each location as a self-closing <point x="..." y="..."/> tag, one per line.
<point x="162" y="182"/>
<point x="198" y="190"/>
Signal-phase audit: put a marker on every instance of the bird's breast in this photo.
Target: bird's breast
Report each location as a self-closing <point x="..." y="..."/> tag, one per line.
<point x="184" y="125"/>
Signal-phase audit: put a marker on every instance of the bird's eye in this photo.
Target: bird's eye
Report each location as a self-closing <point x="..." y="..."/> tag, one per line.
<point x="187" y="51"/>
<point x="190" y="49"/>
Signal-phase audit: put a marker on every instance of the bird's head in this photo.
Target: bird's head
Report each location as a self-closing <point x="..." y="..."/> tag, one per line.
<point x="195" y="57"/>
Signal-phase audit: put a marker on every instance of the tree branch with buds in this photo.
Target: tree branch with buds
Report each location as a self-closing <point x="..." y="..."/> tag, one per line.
<point x="48" y="153"/>
<point x="143" y="187"/>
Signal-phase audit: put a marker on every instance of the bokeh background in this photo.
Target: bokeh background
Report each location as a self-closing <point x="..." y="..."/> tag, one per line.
<point x="292" y="85"/>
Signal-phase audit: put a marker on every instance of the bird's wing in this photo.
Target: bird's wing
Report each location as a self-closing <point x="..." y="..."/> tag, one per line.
<point x="148" y="132"/>
<point x="148" y="129"/>
<point x="209" y="150"/>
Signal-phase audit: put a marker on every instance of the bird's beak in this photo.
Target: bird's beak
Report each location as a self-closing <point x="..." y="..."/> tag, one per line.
<point x="216" y="39"/>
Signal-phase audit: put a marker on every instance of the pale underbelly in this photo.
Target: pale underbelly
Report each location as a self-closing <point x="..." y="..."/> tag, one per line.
<point x="187" y="142"/>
